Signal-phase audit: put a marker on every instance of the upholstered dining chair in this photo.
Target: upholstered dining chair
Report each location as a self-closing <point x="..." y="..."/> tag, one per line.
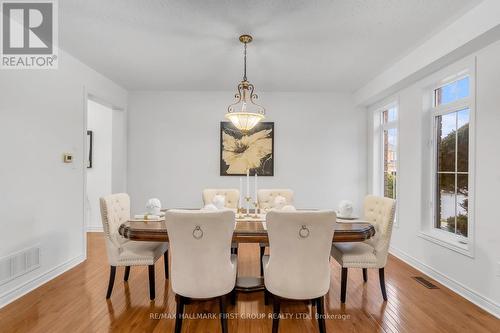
<point x="372" y="253"/>
<point x="115" y="209"/>
<point x="232" y="199"/>
<point x="265" y="199"/>
<point x="202" y="265"/>
<point x="298" y="267"/>
<point x="232" y="196"/>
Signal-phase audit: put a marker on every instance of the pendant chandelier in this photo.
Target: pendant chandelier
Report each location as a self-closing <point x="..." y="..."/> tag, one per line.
<point x="245" y="113"/>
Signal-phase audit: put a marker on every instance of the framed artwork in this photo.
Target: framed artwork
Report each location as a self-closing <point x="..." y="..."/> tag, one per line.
<point x="90" y="143"/>
<point x="253" y="150"/>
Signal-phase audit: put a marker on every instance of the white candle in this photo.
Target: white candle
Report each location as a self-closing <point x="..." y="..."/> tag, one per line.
<point x="248" y="183"/>
<point x="248" y="191"/>
<point x="255" y="187"/>
<point x="240" y="203"/>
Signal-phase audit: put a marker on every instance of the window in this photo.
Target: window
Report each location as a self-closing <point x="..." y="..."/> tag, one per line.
<point x="389" y="132"/>
<point x="384" y="131"/>
<point x="451" y="117"/>
<point x="452" y="92"/>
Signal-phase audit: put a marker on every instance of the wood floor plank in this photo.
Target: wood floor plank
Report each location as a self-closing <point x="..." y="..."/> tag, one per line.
<point x="74" y="302"/>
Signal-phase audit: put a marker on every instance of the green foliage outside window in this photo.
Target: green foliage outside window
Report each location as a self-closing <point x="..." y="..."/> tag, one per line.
<point x="446" y="162"/>
<point x="390" y="185"/>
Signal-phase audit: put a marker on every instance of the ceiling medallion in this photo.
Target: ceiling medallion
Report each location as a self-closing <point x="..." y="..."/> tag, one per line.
<point x="245" y="113"/>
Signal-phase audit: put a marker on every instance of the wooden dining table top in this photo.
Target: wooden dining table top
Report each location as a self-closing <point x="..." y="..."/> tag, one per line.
<point x="247" y="230"/>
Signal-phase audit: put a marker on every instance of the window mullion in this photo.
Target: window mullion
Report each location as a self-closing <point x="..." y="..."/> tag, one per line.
<point x="461" y="104"/>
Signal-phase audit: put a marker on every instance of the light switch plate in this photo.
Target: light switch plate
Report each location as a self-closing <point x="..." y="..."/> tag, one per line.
<point x="68" y="158"/>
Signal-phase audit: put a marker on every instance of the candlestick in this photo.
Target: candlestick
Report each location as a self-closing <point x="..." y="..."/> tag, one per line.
<point x="256" y="211"/>
<point x="240" y="199"/>
<point x="248" y="182"/>
<point x="247" y="199"/>
<point x="255" y="187"/>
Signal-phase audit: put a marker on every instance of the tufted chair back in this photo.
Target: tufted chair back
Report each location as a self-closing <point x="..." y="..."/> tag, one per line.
<point x="115" y="210"/>
<point x="298" y="266"/>
<point x="380" y="211"/>
<point x="232" y="196"/>
<point x="200" y="246"/>
<point x="266" y="197"/>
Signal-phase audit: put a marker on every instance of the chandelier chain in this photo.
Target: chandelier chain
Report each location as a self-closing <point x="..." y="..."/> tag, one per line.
<point x="245" y="64"/>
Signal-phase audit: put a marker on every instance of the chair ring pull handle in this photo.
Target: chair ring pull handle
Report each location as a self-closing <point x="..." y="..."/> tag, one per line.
<point x="304" y="232"/>
<point x="197" y="232"/>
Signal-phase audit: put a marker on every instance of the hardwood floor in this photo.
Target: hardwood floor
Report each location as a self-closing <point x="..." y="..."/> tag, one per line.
<point x="75" y="302"/>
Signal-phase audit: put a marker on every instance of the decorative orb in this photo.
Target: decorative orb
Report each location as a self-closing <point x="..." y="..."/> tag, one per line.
<point x="288" y="208"/>
<point x="153" y="206"/>
<point x="345" y="208"/>
<point x="210" y="207"/>
<point x="219" y="201"/>
<point x="279" y="202"/>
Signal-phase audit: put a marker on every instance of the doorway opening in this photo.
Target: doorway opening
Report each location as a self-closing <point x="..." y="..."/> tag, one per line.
<point x="105" y="157"/>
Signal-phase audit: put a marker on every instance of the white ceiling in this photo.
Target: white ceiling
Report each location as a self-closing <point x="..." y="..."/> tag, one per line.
<point x="299" y="45"/>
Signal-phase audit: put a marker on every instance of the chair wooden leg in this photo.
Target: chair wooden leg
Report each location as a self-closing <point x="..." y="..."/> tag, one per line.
<point x="179" y="313"/>
<point x="233" y="297"/>
<point x="127" y="273"/>
<point x="276" y="313"/>
<point x="365" y="274"/>
<point x="151" y="271"/>
<point x="381" y="277"/>
<point x="262" y="251"/>
<point x="320" y="309"/>
<point x="343" y="285"/>
<point x="165" y="261"/>
<point x="223" y="313"/>
<point x="266" y="297"/>
<point x="112" y="274"/>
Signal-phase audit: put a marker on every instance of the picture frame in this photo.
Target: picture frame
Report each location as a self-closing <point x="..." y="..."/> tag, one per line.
<point x="241" y="150"/>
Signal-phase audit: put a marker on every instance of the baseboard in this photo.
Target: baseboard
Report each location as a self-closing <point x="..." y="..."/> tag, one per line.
<point x="94" y="229"/>
<point x="36" y="282"/>
<point x="467" y="293"/>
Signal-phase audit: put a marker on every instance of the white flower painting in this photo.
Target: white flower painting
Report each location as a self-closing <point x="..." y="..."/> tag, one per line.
<point x="252" y="150"/>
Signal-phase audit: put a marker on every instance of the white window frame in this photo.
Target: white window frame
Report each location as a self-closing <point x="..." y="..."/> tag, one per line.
<point x="379" y="188"/>
<point x="460" y="244"/>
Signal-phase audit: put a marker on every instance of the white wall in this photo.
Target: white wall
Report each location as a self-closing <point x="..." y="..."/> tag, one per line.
<point x="99" y="177"/>
<point x="42" y="115"/>
<point x="476" y="278"/>
<point x="477" y="28"/>
<point x="174" y="138"/>
<point x="119" y="154"/>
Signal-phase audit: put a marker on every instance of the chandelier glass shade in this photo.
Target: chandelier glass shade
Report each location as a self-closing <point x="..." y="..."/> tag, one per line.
<point x="245" y="113"/>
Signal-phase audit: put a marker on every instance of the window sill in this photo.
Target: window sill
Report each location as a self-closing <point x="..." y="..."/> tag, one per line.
<point x="448" y="241"/>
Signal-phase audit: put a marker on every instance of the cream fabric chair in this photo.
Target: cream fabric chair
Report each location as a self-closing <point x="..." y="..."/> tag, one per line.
<point x="232" y="196"/>
<point x="298" y="266"/>
<point x="373" y="253"/>
<point x="115" y="209"/>
<point x="266" y="197"/>
<point x="202" y="264"/>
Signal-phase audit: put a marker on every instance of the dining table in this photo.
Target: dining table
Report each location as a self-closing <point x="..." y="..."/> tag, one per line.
<point x="249" y="228"/>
